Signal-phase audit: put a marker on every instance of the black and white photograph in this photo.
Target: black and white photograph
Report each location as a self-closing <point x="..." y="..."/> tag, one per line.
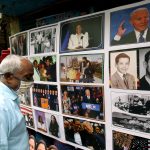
<point x="124" y="141"/>
<point x="18" y="44"/>
<point x="85" y="133"/>
<point x="132" y="122"/>
<point x="44" y="68"/>
<point x="82" y="68"/>
<point x="85" y="101"/>
<point x="53" y="123"/>
<point x="86" y="33"/>
<point x="43" y="40"/>
<point x="131" y="103"/>
<point x="45" y="96"/>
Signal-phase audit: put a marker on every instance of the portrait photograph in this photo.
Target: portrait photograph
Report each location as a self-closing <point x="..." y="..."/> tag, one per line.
<point x="133" y="103"/>
<point x="82" y="68"/>
<point x="18" y="44"/>
<point x="85" y="133"/>
<point x="28" y="115"/>
<point x="53" y="124"/>
<point x="45" y="96"/>
<point x="85" y="101"/>
<point x="40" y="121"/>
<point x="123" y="69"/>
<point x="83" y="33"/>
<point x="129" y="142"/>
<point x="132" y="122"/>
<point x="144" y="69"/>
<point x="127" y="27"/>
<point x="44" y="68"/>
<point x="43" y="40"/>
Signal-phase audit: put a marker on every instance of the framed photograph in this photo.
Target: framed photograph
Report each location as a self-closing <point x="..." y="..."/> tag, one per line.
<point x="44" y="68"/>
<point x="126" y="28"/>
<point x="84" y="33"/>
<point x="85" y="101"/>
<point x="129" y="142"/>
<point x="82" y="68"/>
<point x="19" y="44"/>
<point x="53" y="124"/>
<point x="28" y="115"/>
<point x="45" y="96"/>
<point x="40" y="121"/>
<point x="123" y="69"/>
<point x="43" y="40"/>
<point x="85" y="133"/>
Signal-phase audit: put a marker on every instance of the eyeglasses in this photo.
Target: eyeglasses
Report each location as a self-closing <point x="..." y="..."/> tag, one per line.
<point x="26" y="79"/>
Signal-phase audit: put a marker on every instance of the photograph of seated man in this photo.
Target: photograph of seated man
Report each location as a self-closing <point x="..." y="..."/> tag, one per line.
<point x="83" y="101"/>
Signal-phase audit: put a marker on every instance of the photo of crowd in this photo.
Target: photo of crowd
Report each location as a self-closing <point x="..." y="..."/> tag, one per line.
<point x="43" y="40"/>
<point x="131" y="103"/>
<point x="18" y="44"/>
<point x="123" y="141"/>
<point x="141" y="124"/>
<point x="82" y="68"/>
<point x="45" y="96"/>
<point x="28" y="115"/>
<point x="85" y="101"/>
<point x="44" y="68"/>
<point x="85" y="133"/>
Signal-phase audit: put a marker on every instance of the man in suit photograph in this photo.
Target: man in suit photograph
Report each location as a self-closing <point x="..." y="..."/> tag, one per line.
<point x="145" y="80"/>
<point x="121" y="79"/>
<point x="139" y="19"/>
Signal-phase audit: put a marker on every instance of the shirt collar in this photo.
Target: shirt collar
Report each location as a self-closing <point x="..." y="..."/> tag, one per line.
<point x="137" y="34"/>
<point x="120" y="74"/>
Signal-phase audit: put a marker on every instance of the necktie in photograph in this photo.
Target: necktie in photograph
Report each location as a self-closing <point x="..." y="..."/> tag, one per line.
<point x="125" y="81"/>
<point x="141" y="39"/>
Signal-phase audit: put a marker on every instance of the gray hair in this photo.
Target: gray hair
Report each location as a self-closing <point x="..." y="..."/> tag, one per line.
<point x="11" y="64"/>
<point x="138" y="9"/>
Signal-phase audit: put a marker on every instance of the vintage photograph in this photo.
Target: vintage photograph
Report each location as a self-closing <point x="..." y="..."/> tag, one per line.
<point x="45" y="96"/>
<point x="44" y="68"/>
<point x="144" y="69"/>
<point x="18" y="44"/>
<point x="82" y="68"/>
<point x="53" y="124"/>
<point x="132" y="122"/>
<point x="130" y="26"/>
<point x="131" y="103"/>
<point x="85" y="101"/>
<point x="123" y="69"/>
<point x="28" y="115"/>
<point x="85" y="133"/>
<point x="40" y="121"/>
<point x="123" y="141"/>
<point x="43" y="40"/>
<point x="84" y="33"/>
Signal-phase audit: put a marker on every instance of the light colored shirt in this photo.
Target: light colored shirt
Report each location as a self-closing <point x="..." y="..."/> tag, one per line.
<point x="13" y="133"/>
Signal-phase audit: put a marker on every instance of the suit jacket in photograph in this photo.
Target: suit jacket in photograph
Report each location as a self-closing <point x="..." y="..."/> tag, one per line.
<point x="117" y="81"/>
<point x="130" y="38"/>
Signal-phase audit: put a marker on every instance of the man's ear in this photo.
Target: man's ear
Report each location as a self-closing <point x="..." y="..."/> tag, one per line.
<point x="145" y="64"/>
<point x="8" y="75"/>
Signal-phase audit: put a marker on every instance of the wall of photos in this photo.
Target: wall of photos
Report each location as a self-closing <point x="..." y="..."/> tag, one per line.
<point x="80" y="95"/>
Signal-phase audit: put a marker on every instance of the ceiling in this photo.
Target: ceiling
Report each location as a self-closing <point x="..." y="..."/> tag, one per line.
<point x="21" y="7"/>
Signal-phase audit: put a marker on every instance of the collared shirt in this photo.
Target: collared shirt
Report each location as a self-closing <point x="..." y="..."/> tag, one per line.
<point x="120" y="74"/>
<point x="13" y="133"/>
<point x="137" y="34"/>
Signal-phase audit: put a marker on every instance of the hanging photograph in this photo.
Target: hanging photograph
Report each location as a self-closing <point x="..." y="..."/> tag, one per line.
<point x="18" y="44"/>
<point x="53" y="123"/>
<point x="123" y="141"/>
<point x="84" y="33"/>
<point x="85" y="101"/>
<point x="82" y="68"/>
<point x="44" y="68"/>
<point x="123" y="69"/>
<point x="85" y="133"/>
<point x="28" y="115"/>
<point x="45" y="96"/>
<point x="40" y="121"/>
<point x="43" y="40"/>
<point x="130" y="26"/>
